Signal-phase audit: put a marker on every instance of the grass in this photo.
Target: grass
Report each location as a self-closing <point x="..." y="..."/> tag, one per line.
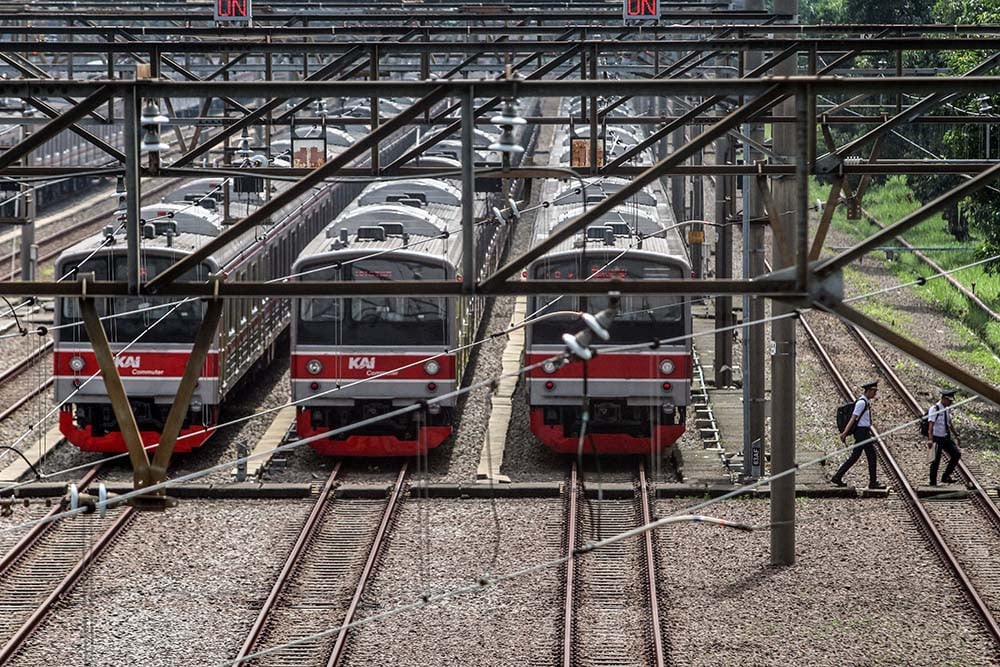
<point x="890" y="202"/>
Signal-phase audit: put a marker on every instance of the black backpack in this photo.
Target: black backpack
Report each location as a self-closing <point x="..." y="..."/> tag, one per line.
<point x="844" y="413"/>
<point x="925" y="426"/>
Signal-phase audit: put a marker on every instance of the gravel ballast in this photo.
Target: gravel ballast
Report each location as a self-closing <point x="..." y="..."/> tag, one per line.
<point x="438" y="546"/>
<point x="866" y="590"/>
<point x="178" y="588"/>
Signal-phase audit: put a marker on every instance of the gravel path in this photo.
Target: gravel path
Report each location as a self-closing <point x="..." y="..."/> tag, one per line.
<point x="865" y="591"/>
<point x="193" y="605"/>
<point x="437" y="546"/>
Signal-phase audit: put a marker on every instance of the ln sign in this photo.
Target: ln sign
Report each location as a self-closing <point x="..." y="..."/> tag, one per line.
<point x="641" y="10"/>
<point x="232" y="11"/>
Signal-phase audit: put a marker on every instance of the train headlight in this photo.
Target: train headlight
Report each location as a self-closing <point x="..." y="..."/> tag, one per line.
<point x="196" y="405"/>
<point x="315" y="367"/>
<point x="432" y="367"/>
<point x="666" y="367"/>
<point x="550" y="367"/>
<point x="76" y="364"/>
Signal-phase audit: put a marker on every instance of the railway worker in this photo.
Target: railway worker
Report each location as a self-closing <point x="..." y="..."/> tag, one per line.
<point x="860" y="425"/>
<point x="941" y="432"/>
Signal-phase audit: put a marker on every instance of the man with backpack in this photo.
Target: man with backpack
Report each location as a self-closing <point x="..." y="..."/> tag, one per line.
<point x="940" y="432"/>
<point x="860" y="424"/>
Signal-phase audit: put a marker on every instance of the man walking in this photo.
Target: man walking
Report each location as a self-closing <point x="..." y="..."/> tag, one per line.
<point x="942" y="436"/>
<point x="860" y="425"/>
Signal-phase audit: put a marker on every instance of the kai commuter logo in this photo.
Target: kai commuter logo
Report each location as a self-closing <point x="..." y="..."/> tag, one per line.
<point x="128" y="361"/>
<point x="361" y="363"/>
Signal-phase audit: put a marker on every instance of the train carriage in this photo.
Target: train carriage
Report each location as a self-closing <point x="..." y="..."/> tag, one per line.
<point x="361" y="357"/>
<point x="637" y="397"/>
<point x="158" y="333"/>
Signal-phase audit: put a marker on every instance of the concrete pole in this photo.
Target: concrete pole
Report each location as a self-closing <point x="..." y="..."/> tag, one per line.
<point x="677" y="182"/>
<point x="698" y="193"/>
<point x="723" y="270"/>
<point x="27" y="209"/>
<point x="753" y="307"/>
<point x="468" y="189"/>
<point x="785" y="193"/>
<point x="133" y="235"/>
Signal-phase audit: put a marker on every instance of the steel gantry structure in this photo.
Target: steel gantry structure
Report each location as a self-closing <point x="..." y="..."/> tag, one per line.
<point x="725" y="73"/>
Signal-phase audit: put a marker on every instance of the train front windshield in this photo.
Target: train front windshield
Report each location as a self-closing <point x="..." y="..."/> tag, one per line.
<point x="378" y="320"/>
<point x="640" y="317"/>
<point x="144" y="319"/>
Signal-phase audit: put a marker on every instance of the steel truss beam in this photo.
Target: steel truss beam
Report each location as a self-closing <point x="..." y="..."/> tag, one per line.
<point x="435" y="138"/>
<point x="54" y="127"/>
<point x="773" y="286"/>
<point x="914" y="110"/>
<point x="964" y="189"/>
<point x="28" y="68"/>
<point x="255" y="115"/>
<point x="819" y="85"/>
<point x="328" y="169"/>
<point x="681" y="154"/>
<point x="821" y="46"/>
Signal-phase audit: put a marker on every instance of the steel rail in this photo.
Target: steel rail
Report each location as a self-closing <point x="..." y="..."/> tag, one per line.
<point x="572" y="493"/>
<point x="66" y="585"/>
<point x="305" y="536"/>
<point x="19" y="403"/>
<point x="912" y="501"/>
<point x="18" y="368"/>
<point x="980" y="497"/>
<point x="647" y="536"/>
<point x="397" y="492"/>
<point x="40" y="528"/>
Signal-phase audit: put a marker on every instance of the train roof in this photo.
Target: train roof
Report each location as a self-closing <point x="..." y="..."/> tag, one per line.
<point x="178" y="246"/>
<point x="654" y="249"/>
<point x="427" y="189"/>
<point x="189" y="218"/>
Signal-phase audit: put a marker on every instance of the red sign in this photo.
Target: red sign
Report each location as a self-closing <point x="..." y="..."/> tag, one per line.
<point x="646" y="10"/>
<point x="233" y="10"/>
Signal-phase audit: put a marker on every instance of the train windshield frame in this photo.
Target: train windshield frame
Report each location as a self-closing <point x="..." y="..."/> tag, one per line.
<point x="144" y="319"/>
<point x="380" y="320"/>
<point x="641" y="317"/>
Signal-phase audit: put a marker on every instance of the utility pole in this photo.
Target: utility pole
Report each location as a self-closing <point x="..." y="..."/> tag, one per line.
<point x="723" y="269"/>
<point x="783" y="353"/>
<point x="753" y="306"/>
<point x="27" y="212"/>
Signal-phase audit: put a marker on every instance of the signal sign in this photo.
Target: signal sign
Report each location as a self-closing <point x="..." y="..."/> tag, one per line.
<point x="232" y="11"/>
<point x="641" y="10"/>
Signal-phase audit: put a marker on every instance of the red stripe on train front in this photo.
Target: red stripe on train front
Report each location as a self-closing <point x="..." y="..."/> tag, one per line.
<point x="428" y="437"/>
<point x="114" y="443"/>
<point x="552" y="436"/>
<point x="631" y="366"/>
<point x="136" y="364"/>
<point x="360" y="366"/>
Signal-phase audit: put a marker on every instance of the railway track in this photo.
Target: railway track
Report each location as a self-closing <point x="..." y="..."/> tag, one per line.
<point x="612" y="584"/>
<point x="323" y="578"/>
<point x="947" y="525"/>
<point x="46" y="563"/>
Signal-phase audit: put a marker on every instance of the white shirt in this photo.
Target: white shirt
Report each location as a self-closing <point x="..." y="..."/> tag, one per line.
<point x="939" y="426"/>
<point x="864" y="415"/>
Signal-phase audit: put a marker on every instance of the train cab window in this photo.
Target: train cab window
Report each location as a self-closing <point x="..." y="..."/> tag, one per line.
<point x="640" y="317"/>
<point x="380" y="320"/>
<point x="144" y="319"/>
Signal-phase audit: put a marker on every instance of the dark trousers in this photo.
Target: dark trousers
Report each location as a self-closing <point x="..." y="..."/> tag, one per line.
<point x="945" y="444"/>
<point x="860" y="434"/>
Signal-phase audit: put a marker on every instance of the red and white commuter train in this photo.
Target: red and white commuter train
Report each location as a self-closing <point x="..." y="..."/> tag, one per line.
<point x="152" y="336"/>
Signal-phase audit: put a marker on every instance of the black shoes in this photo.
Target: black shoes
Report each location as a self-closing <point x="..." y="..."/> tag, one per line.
<point x="837" y="482"/>
<point x="876" y="485"/>
<point x="949" y="480"/>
